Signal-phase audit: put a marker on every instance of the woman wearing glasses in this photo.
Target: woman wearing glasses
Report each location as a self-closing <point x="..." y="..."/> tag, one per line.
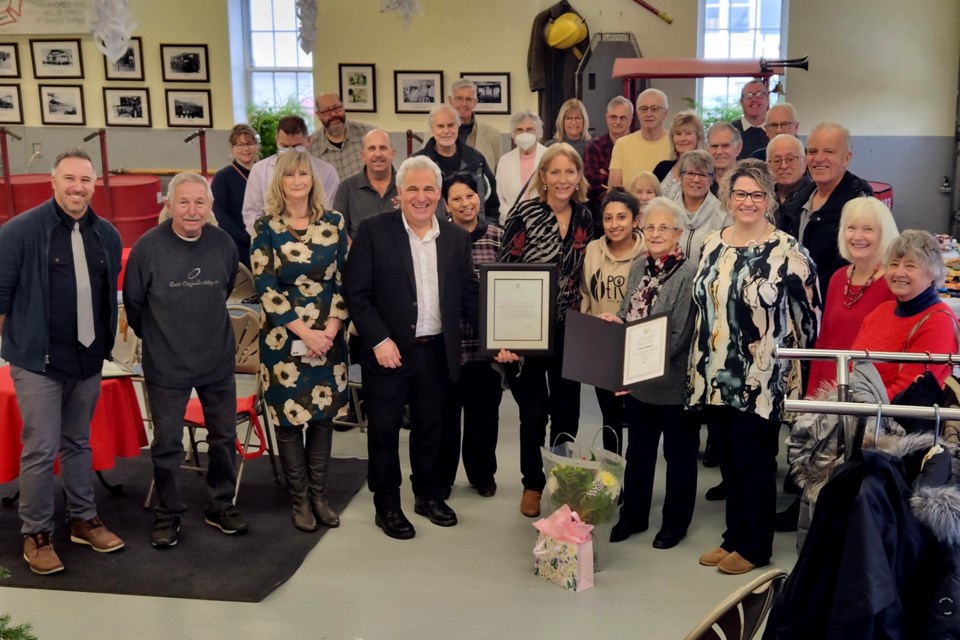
<point x="229" y="185"/>
<point x="686" y="134"/>
<point x="573" y="126"/>
<point x="755" y="290"/>
<point x="660" y="282"/>
<point x="704" y="212"/>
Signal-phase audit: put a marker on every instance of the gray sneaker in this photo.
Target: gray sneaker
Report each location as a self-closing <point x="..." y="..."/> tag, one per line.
<point x="228" y="521"/>
<point x="166" y="529"/>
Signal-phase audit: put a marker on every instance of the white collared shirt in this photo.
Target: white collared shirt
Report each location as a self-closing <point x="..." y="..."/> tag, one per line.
<point x="424" y="254"/>
<point x="746" y="124"/>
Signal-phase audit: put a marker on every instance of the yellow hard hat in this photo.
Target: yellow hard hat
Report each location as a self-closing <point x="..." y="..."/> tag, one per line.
<point x="566" y="31"/>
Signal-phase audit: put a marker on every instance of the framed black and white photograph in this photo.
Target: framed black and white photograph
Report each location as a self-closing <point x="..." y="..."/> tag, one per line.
<point x="184" y="62"/>
<point x="9" y="60"/>
<point x="11" y="104"/>
<point x="57" y="58"/>
<point x="126" y="107"/>
<point x="358" y="87"/>
<point x="130" y="64"/>
<point x="189" y="108"/>
<point x="61" y="104"/>
<point x="493" y="91"/>
<point x="417" y="91"/>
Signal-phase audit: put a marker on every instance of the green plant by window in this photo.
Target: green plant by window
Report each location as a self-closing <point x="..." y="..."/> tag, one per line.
<point x="264" y="121"/>
<point x="725" y="111"/>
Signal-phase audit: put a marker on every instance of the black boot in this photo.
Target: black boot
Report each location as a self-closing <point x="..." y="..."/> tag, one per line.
<point x="293" y="460"/>
<point x="788" y="518"/>
<point x="319" y="442"/>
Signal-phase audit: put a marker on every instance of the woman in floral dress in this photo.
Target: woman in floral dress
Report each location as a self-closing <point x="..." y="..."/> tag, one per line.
<point x="297" y="255"/>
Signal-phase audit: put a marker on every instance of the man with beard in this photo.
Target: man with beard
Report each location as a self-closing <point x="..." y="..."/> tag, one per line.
<point x="372" y="189"/>
<point x="339" y="141"/>
<point x="755" y="100"/>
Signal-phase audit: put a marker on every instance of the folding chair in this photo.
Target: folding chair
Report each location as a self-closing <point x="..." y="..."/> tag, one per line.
<point x="244" y="287"/>
<point x="739" y="615"/>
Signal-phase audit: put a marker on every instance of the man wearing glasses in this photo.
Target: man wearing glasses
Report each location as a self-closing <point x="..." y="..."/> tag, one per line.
<point x="338" y="141"/>
<point x="644" y="148"/>
<point x="755" y="100"/>
<point x="786" y="156"/>
<point x="596" y="159"/>
<point x="781" y="119"/>
<point x="473" y="133"/>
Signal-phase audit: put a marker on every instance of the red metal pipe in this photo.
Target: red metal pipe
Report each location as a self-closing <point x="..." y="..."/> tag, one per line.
<point x="105" y="168"/>
<point x="5" y="158"/>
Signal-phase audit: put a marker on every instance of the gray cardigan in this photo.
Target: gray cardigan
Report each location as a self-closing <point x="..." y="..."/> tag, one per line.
<point x="676" y="299"/>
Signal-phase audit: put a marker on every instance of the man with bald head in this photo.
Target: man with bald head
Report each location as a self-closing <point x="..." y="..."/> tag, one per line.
<point x="643" y="149"/>
<point x="816" y="222"/>
<point x="373" y="188"/>
<point x="755" y="100"/>
<point x="781" y="120"/>
<point x="338" y="141"/>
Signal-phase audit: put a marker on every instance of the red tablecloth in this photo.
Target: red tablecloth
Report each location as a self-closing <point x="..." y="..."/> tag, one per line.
<point x="116" y="431"/>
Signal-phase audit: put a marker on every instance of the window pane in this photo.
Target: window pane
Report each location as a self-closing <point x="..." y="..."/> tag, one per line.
<point x="286" y="49"/>
<point x="284" y="15"/>
<point x="741" y="45"/>
<point x="261" y="14"/>
<point x="739" y="18"/>
<point x="261" y="84"/>
<point x="716" y="45"/>
<point x="711" y="18"/>
<point x="286" y="87"/>
<point x="770" y="14"/>
<point x="262" y="49"/>
<point x="304" y="59"/>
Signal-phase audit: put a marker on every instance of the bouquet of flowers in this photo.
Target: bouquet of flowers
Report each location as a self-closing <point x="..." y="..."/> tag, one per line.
<point x="586" y="479"/>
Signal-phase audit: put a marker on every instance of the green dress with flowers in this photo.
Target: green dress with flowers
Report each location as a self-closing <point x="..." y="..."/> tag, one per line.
<point x="300" y="278"/>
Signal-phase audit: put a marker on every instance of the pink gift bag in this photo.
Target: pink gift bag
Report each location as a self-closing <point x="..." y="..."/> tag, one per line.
<point x="564" y="550"/>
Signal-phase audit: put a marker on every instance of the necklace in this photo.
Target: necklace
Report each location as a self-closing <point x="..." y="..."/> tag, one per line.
<point x="748" y="243"/>
<point x="302" y="236"/>
<point x="850" y="294"/>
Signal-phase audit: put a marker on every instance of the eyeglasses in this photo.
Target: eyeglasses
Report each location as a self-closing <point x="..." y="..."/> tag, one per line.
<point x="780" y="162"/>
<point x="245" y="145"/>
<point x="331" y="110"/>
<point x="650" y="109"/>
<point x="463" y="99"/>
<point x="574" y="118"/>
<point x="777" y="126"/>
<point x="757" y="196"/>
<point x="299" y="149"/>
<point x="754" y="94"/>
<point x="694" y="175"/>
<point x="662" y="229"/>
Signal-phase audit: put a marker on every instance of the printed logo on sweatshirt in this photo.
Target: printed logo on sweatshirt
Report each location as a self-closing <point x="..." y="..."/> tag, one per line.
<point x="193" y="280"/>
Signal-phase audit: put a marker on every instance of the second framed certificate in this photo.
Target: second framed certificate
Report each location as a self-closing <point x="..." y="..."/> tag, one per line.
<point x="518" y="304"/>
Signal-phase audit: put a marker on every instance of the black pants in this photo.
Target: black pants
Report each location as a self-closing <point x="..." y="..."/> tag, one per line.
<point x="386" y="394"/>
<point x="542" y="393"/>
<point x="477" y="396"/>
<point x="611" y="409"/>
<point x="645" y="423"/>
<point x="747" y="448"/>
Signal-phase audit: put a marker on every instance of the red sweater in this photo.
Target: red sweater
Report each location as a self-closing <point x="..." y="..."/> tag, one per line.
<point x="840" y="325"/>
<point x="882" y="330"/>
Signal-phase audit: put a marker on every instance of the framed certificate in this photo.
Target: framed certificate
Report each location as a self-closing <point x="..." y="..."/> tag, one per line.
<point x="518" y="304"/>
<point x="615" y="356"/>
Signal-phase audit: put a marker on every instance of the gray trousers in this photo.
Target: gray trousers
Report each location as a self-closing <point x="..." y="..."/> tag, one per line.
<point x="56" y="419"/>
<point x="167" y="405"/>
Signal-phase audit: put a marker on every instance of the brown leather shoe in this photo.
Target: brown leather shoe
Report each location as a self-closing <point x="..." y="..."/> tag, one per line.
<point x="39" y="554"/>
<point x="713" y="557"/>
<point x="735" y="564"/>
<point x="95" y="534"/>
<point x="530" y="503"/>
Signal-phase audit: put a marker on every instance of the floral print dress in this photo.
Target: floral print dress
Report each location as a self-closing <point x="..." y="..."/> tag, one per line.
<point x="298" y="275"/>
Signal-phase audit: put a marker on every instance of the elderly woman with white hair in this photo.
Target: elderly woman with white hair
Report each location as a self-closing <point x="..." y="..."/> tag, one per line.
<point x="662" y="282"/>
<point x="516" y="167"/>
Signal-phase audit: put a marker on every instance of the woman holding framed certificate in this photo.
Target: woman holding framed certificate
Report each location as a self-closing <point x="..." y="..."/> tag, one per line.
<point x="552" y="229"/>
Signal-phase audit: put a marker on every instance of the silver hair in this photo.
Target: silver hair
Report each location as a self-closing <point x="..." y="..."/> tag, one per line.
<point x="924" y="246"/>
<point x="418" y="163"/>
<point x="844" y="132"/>
<point x="656" y="92"/>
<point x="679" y="217"/>
<point x="784" y="105"/>
<point x="442" y="107"/>
<point x="187" y="176"/>
<point x="796" y="142"/>
<point x="872" y="211"/>
<point x="463" y="83"/>
<point x="620" y="101"/>
<point x="517" y="118"/>
<point x="696" y="159"/>
<point x="721" y="125"/>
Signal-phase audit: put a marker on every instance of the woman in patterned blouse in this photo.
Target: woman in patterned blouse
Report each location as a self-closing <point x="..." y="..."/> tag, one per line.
<point x="755" y="290"/>
<point x="555" y="228"/>
<point x="298" y="254"/>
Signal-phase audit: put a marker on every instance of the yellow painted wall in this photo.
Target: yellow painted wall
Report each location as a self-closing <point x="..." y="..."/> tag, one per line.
<point x="158" y="22"/>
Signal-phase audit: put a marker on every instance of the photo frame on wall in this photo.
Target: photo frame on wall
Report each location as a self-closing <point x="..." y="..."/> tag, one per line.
<point x="130" y="64"/>
<point x="417" y="91"/>
<point x="189" y="108"/>
<point x="184" y="62"/>
<point x="61" y="104"/>
<point x="358" y="87"/>
<point x="126" y="107"/>
<point x="493" y="91"/>
<point x="57" y="58"/>
<point x="9" y="60"/>
<point x="11" y="104"/>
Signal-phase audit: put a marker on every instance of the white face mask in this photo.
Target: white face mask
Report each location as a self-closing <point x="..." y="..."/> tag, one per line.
<point x="525" y="140"/>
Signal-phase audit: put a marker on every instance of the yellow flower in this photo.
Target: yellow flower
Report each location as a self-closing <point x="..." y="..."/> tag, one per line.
<point x="607" y="479"/>
<point x="314" y="361"/>
<point x="286" y="374"/>
<point x="276" y="338"/>
<point x="276" y="225"/>
<point x="308" y="314"/>
<point x="296" y="414"/>
<point x="259" y="261"/>
<point x="325" y="234"/>
<point x="307" y="286"/>
<point x="275" y="302"/>
<point x="296" y="252"/>
<point x="322" y="396"/>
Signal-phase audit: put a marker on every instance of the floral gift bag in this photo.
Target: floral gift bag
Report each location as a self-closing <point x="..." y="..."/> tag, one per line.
<point x="564" y="550"/>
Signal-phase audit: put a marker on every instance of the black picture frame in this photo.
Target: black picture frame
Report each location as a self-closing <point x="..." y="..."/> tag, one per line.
<point x="126" y="107"/>
<point x="11" y="104"/>
<point x="184" y="63"/>
<point x="59" y="58"/>
<point x="130" y="64"/>
<point x="62" y="105"/>
<point x="358" y="87"/>
<point x="417" y="91"/>
<point x="191" y="108"/>
<point x="521" y="293"/>
<point x="493" y="91"/>
<point x="9" y="60"/>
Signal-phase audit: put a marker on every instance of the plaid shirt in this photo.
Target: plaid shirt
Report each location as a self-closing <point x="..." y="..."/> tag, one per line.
<point x="596" y="167"/>
<point x="485" y="243"/>
<point x="345" y="159"/>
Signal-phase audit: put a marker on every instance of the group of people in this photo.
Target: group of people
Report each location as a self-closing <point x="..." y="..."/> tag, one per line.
<point x="740" y="254"/>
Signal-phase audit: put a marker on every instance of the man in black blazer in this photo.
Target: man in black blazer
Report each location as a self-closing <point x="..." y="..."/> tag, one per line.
<point x="409" y="280"/>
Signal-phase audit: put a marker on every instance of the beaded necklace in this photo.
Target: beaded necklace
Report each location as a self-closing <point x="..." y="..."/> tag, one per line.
<point x="851" y="295"/>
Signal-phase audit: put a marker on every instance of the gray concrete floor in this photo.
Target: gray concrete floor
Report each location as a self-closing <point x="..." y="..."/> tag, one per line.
<point x="472" y="581"/>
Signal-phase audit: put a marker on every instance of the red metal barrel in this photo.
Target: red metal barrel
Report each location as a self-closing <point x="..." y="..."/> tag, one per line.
<point x="29" y="190"/>
<point x="136" y="204"/>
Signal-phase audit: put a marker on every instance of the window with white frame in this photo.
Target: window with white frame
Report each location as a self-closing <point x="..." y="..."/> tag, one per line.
<point x="276" y="69"/>
<point x="739" y="29"/>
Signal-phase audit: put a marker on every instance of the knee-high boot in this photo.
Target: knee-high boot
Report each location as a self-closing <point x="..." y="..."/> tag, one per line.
<point x="294" y="462"/>
<point x="319" y="442"/>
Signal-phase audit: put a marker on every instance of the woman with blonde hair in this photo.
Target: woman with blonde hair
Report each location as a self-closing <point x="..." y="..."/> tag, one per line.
<point x="645" y="187"/>
<point x="573" y="126"/>
<point x="686" y="134"/>
<point x="297" y="255"/>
